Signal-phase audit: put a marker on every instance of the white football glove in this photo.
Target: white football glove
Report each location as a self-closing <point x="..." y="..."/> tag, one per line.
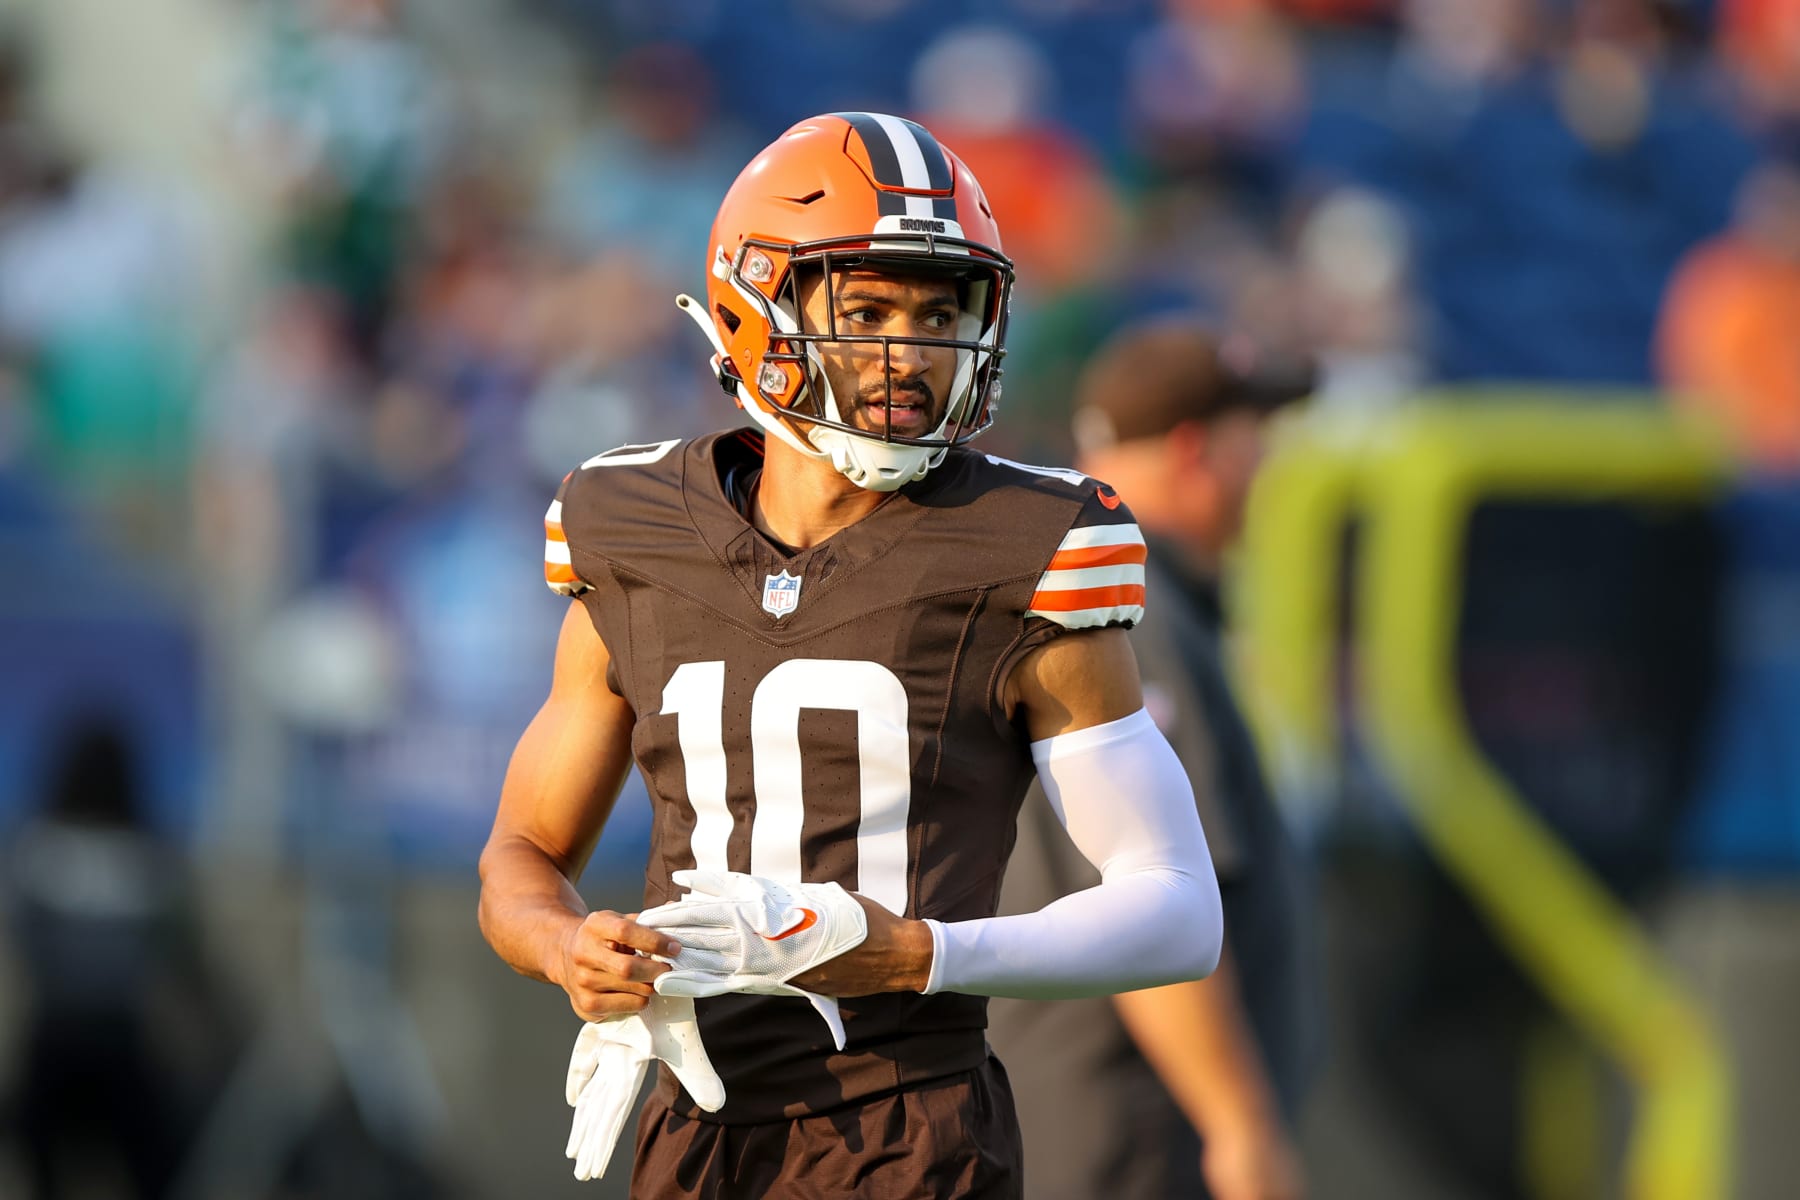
<point x="607" y="1067"/>
<point x="745" y="933"/>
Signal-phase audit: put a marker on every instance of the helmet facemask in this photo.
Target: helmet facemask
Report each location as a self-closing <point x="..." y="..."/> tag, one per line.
<point x="790" y="383"/>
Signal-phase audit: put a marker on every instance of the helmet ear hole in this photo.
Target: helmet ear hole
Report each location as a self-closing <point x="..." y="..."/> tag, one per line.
<point x="731" y="319"/>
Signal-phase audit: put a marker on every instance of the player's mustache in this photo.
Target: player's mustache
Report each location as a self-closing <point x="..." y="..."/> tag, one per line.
<point x="912" y="392"/>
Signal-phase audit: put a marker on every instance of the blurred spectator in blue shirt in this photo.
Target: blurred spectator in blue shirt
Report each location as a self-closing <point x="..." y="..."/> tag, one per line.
<point x="1551" y="176"/>
<point x="645" y="178"/>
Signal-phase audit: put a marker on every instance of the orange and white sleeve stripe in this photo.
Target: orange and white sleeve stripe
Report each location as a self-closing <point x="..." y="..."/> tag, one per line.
<point x="559" y="573"/>
<point x="1096" y="577"/>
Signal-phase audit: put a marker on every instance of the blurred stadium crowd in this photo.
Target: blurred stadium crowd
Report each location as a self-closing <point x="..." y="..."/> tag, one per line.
<point x="306" y="309"/>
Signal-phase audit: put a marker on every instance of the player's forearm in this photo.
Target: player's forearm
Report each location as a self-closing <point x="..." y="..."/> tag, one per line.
<point x="1145" y="930"/>
<point x="560" y="785"/>
<point x="1195" y="1036"/>
<point x="1154" y="919"/>
<point x="528" y="909"/>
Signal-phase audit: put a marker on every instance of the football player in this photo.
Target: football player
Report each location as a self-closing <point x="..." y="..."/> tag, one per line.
<point x="839" y="646"/>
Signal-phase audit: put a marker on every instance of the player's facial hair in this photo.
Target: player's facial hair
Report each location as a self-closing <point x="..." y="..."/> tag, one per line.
<point x="908" y="390"/>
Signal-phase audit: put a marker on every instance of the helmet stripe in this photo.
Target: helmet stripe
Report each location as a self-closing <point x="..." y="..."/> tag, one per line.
<point x="903" y="154"/>
<point x="915" y="170"/>
<point x="937" y="164"/>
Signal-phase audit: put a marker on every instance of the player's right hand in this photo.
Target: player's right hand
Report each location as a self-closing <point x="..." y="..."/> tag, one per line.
<point x="606" y="966"/>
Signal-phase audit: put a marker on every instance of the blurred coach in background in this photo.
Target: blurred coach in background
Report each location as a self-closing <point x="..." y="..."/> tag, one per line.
<point x="1208" y="1073"/>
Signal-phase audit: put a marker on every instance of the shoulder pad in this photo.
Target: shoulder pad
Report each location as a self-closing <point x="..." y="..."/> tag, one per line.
<point x="559" y="568"/>
<point x="559" y="572"/>
<point x="1096" y="575"/>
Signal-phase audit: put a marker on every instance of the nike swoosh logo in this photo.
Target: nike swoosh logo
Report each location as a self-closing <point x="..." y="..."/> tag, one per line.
<point x="1107" y="497"/>
<point x="808" y="918"/>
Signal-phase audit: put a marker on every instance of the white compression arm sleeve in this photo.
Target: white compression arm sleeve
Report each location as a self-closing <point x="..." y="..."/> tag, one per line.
<point x="1153" y="919"/>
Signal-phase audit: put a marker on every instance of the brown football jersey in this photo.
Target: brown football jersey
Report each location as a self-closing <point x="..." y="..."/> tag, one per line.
<point x="835" y="713"/>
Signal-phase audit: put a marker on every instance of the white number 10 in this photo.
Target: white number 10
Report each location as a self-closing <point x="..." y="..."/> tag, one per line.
<point x="695" y="695"/>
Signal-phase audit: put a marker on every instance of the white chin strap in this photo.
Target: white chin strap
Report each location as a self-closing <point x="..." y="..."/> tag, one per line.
<point x="875" y="466"/>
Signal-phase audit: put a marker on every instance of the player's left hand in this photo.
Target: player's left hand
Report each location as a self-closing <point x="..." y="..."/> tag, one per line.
<point x="741" y="933"/>
<point x="894" y="957"/>
<point x="746" y="933"/>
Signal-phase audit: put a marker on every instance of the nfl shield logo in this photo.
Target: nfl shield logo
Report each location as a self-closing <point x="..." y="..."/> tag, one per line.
<point x="780" y="594"/>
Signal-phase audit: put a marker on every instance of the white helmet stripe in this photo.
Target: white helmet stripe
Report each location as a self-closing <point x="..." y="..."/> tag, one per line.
<point x="913" y="171"/>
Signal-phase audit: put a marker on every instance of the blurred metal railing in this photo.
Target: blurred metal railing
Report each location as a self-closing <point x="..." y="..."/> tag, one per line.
<point x="1412" y="489"/>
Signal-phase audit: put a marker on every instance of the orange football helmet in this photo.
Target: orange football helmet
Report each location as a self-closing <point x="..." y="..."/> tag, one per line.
<point x="851" y="190"/>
